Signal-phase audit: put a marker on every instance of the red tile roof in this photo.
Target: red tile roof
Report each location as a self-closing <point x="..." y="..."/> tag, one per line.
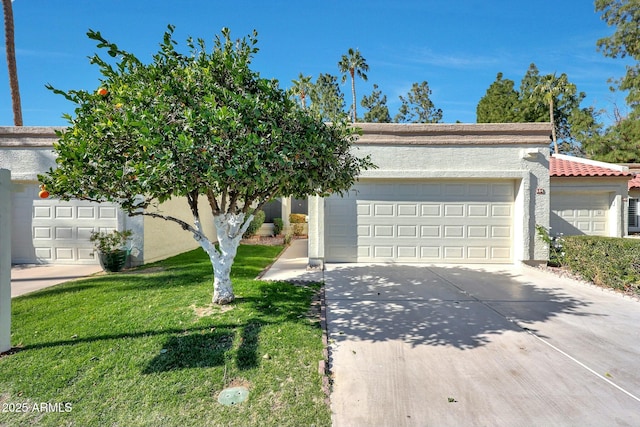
<point x="565" y="167"/>
<point x="635" y="182"/>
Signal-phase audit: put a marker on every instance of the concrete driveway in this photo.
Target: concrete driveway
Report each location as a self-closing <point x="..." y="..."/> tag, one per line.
<point x="479" y="346"/>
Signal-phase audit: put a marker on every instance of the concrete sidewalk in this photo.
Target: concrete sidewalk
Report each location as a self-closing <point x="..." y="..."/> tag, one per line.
<point x="31" y="277"/>
<point x="291" y="265"/>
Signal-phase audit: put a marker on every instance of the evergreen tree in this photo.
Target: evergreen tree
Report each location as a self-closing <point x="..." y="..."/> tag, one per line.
<point x="417" y="107"/>
<point x="376" y="106"/>
<point x="500" y="104"/>
<point x="327" y="100"/>
<point x="618" y="144"/>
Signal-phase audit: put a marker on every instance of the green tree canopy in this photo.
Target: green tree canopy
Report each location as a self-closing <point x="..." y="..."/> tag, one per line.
<point x="376" y="106"/>
<point x="624" y="15"/>
<point x="191" y="125"/>
<point x="500" y="104"/>
<point x="327" y="100"/>
<point x="540" y="98"/>
<point x="417" y="106"/>
<point x="620" y="143"/>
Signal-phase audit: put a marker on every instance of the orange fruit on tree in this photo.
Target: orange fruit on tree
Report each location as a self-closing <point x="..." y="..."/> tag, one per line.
<point x="43" y="194"/>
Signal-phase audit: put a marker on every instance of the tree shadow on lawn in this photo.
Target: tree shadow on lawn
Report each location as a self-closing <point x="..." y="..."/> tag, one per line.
<point x="438" y="305"/>
<point x="205" y="349"/>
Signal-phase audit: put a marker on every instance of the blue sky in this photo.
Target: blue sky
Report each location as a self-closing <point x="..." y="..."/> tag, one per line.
<point x="457" y="46"/>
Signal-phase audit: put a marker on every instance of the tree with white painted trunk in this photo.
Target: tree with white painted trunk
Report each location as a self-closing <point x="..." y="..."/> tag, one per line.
<point x="202" y="126"/>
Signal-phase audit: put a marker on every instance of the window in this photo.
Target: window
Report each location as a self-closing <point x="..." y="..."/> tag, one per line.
<point x="633" y="213"/>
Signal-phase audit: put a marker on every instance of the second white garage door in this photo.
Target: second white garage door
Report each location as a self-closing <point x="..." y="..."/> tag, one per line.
<point x="581" y="213"/>
<point x="449" y="221"/>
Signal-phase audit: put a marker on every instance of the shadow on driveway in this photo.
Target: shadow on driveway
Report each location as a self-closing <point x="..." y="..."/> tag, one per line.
<point x="436" y="305"/>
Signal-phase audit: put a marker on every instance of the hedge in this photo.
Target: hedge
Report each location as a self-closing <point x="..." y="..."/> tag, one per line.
<point x="606" y="261"/>
<point x="297" y="218"/>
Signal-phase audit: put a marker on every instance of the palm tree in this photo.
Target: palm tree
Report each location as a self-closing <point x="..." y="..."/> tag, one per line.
<point x="301" y="88"/>
<point x="353" y="63"/>
<point x="552" y="87"/>
<point x="11" y="61"/>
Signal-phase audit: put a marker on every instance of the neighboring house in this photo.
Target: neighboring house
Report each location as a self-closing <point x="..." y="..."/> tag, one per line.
<point x="54" y="231"/>
<point x="634" y="198"/>
<point x="442" y="193"/>
<point x="588" y="197"/>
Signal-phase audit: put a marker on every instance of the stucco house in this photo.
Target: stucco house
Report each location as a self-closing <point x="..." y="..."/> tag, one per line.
<point x="450" y="193"/>
<point x="442" y="193"/>
<point x="54" y="231"/>
<point x="588" y="197"/>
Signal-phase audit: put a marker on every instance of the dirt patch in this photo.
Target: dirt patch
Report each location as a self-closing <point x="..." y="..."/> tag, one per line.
<point x="263" y="240"/>
<point x="211" y="309"/>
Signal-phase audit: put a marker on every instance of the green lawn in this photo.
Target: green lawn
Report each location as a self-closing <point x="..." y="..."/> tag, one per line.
<point x="146" y="348"/>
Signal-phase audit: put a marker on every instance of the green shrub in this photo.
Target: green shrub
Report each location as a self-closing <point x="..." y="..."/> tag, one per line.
<point x="256" y="223"/>
<point x="298" y="229"/>
<point x="606" y="261"/>
<point x="297" y="218"/>
<point x="278" y="225"/>
<point x="556" y="245"/>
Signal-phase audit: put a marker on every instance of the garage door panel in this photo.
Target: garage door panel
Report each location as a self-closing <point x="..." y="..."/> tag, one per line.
<point x="107" y="212"/>
<point x="407" y="231"/>
<point x="478" y="253"/>
<point x="477" y="232"/>
<point x="45" y="254"/>
<point x="453" y="231"/>
<point x="405" y="210"/>
<point x="481" y="211"/>
<point x="383" y="209"/>
<point x="43" y="212"/>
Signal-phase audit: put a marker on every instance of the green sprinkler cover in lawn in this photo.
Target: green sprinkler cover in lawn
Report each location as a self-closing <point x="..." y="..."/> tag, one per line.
<point x="233" y="395"/>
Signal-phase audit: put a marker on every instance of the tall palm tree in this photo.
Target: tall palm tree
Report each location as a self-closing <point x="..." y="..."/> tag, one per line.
<point x="353" y="63"/>
<point x="301" y="88"/>
<point x="552" y="87"/>
<point x="11" y="61"/>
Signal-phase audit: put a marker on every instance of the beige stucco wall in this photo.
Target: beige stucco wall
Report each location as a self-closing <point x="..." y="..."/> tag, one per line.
<point x="163" y="238"/>
<point x="496" y="151"/>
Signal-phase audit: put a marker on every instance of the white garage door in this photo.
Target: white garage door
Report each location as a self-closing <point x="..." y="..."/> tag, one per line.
<point x="585" y="213"/>
<point x="53" y="231"/>
<point x="422" y="221"/>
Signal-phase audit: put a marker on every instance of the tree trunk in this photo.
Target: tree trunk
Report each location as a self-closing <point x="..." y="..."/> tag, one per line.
<point x="11" y="61"/>
<point x="553" y="127"/>
<point x="229" y="230"/>
<point x="353" y="92"/>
